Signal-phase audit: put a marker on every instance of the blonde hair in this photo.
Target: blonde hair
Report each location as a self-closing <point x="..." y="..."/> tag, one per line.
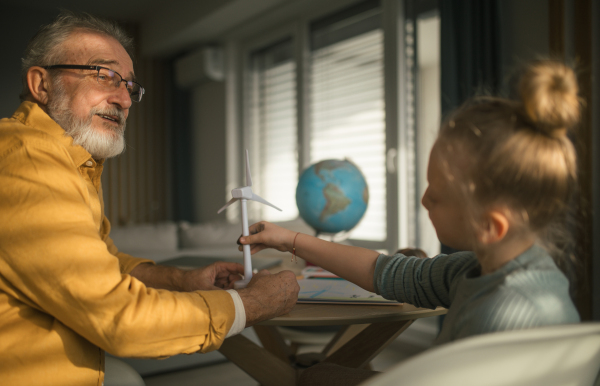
<point x="518" y="152"/>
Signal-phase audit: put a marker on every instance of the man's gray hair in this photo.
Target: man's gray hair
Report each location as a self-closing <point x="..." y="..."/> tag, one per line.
<point x="44" y="48"/>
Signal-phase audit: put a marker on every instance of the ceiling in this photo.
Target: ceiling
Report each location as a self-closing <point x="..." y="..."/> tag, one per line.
<point x="129" y="10"/>
<point x="166" y="26"/>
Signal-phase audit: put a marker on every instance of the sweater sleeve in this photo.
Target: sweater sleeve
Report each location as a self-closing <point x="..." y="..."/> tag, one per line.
<point x="420" y="282"/>
<point x="53" y="259"/>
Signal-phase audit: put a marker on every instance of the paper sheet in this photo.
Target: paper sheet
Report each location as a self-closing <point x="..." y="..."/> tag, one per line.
<point x="337" y="291"/>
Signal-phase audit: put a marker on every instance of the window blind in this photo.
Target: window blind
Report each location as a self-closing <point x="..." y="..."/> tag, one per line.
<point x="347" y="113"/>
<point x="272" y="122"/>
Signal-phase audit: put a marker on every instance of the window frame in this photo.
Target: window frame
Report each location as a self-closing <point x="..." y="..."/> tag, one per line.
<point x="297" y="28"/>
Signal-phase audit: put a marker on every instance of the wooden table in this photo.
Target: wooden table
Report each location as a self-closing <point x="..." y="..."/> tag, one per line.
<point x="366" y="330"/>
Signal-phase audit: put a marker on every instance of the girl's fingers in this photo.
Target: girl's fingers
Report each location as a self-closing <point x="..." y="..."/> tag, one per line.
<point x="254" y="248"/>
<point x="257" y="248"/>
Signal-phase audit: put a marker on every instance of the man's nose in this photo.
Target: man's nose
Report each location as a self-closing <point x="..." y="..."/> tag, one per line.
<point x="120" y="96"/>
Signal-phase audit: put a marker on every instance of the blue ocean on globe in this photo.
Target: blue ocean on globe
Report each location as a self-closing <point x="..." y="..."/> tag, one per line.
<point x="332" y="196"/>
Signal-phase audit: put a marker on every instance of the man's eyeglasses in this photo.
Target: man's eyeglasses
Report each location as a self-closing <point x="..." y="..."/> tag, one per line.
<point x="107" y="78"/>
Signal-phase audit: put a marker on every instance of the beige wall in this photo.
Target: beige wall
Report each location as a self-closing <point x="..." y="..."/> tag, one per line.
<point x="208" y="121"/>
<point x="17" y="26"/>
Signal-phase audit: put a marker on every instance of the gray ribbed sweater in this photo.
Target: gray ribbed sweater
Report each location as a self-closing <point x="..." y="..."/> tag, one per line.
<point x="529" y="291"/>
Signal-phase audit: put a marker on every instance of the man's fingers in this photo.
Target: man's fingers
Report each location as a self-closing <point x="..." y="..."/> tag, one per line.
<point x="262" y="272"/>
<point x="223" y="267"/>
<point x="233" y="278"/>
<point x="232" y="267"/>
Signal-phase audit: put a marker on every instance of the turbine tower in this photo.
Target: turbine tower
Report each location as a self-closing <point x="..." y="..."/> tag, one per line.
<point x="244" y="194"/>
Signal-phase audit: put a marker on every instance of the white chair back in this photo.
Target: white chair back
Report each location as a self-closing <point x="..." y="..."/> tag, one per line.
<point x="549" y="356"/>
<point x="119" y="373"/>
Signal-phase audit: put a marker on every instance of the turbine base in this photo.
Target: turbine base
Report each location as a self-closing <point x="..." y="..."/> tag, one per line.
<point x="240" y="284"/>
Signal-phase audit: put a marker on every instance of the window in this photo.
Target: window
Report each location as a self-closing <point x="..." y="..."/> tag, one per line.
<point x="346" y="99"/>
<point x="271" y="98"/>
<point x="343" y="85"/>
<point x="428" y="117"/>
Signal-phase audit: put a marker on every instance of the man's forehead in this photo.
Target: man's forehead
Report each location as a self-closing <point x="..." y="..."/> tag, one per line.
<point x="84" y="47"/>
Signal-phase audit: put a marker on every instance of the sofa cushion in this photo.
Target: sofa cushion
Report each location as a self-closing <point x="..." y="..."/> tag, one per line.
<point x="210" y="234"/>
<point x="146" y="237"/>
<point x="222" y="233"/>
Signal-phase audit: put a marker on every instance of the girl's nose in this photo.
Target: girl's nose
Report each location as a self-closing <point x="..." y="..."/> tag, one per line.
<point x="425" y="200"/>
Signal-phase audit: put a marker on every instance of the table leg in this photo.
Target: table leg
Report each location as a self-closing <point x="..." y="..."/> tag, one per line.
<point x="272" y="340"/>
<point x="260" y="364"/>
<point x="345" y="334"/>
<point x="367" y="344"/>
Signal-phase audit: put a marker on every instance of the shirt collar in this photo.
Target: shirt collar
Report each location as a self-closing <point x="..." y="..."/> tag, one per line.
<point x="32" y="115"/>
<point x="535" y="253"/>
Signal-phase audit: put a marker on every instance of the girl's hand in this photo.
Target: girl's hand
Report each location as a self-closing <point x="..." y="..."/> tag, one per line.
<point x="266" y="235"/>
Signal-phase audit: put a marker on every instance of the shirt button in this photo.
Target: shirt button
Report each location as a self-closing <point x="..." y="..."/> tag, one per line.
<point x="89" y="163"/>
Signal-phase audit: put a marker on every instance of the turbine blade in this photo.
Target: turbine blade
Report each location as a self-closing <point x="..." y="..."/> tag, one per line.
<point x="226" y="205"/>
<point x="256" y="197"/>
<point x="248" y="176"/>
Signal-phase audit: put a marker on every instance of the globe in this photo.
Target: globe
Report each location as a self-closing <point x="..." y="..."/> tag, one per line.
<point x="332" y="196"/>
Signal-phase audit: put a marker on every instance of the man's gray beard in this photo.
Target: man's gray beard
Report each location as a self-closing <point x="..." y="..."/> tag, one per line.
<point x="99" y="145"/>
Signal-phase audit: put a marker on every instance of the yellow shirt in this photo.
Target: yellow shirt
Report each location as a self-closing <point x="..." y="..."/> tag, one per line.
<point x="65" y="292"/>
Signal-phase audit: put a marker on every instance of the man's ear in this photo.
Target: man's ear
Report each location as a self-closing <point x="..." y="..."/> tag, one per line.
<point x="38" y="83"/>
<point x="495" y="227"/>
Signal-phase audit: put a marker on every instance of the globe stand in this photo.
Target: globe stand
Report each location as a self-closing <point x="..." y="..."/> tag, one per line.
<point x="339" y="237"/>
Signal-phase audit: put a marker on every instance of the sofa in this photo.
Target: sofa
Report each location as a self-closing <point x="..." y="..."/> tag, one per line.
<point x="167" y="240"/>
<point x="212" y="241"/>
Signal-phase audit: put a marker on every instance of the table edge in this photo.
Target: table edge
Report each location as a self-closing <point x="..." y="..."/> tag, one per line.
<point x="337" y="321"/>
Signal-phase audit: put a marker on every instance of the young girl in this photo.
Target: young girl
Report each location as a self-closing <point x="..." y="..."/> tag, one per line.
<point x="500" y="175"/>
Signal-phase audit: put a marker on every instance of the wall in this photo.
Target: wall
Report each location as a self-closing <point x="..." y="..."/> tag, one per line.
<point x="428" y="118"/>
<point x="136" y="183"/>
<point x="208" y="152"/>
<point x="17" y="26"/>
<point x="525" y="33"/>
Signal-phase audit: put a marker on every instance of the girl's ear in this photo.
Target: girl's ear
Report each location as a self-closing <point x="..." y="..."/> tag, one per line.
<point x="495" y="227"/>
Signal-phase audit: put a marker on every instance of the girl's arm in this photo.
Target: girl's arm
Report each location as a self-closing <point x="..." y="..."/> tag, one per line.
<point x="354" y="264"/>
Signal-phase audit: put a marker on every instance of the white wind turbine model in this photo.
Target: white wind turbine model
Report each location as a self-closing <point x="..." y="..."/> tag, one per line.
<point x="244" y="194"/>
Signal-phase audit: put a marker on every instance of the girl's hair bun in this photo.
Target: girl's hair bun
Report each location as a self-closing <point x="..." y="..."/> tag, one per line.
<point x="548" y="91"/>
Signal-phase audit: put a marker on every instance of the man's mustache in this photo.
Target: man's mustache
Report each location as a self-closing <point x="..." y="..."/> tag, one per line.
<point x="110" y="112"/>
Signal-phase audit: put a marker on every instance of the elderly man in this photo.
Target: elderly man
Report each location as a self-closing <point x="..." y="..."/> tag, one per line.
<point x="67" y="294"/>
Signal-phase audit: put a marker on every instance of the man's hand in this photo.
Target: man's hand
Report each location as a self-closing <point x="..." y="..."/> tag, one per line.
<point x="220" y="275"/>
<point x="269" y="295"/>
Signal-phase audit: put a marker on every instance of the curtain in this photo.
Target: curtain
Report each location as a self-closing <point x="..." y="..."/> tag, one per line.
<point x="470" y="53"/>
<point x="470" y="50"/>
